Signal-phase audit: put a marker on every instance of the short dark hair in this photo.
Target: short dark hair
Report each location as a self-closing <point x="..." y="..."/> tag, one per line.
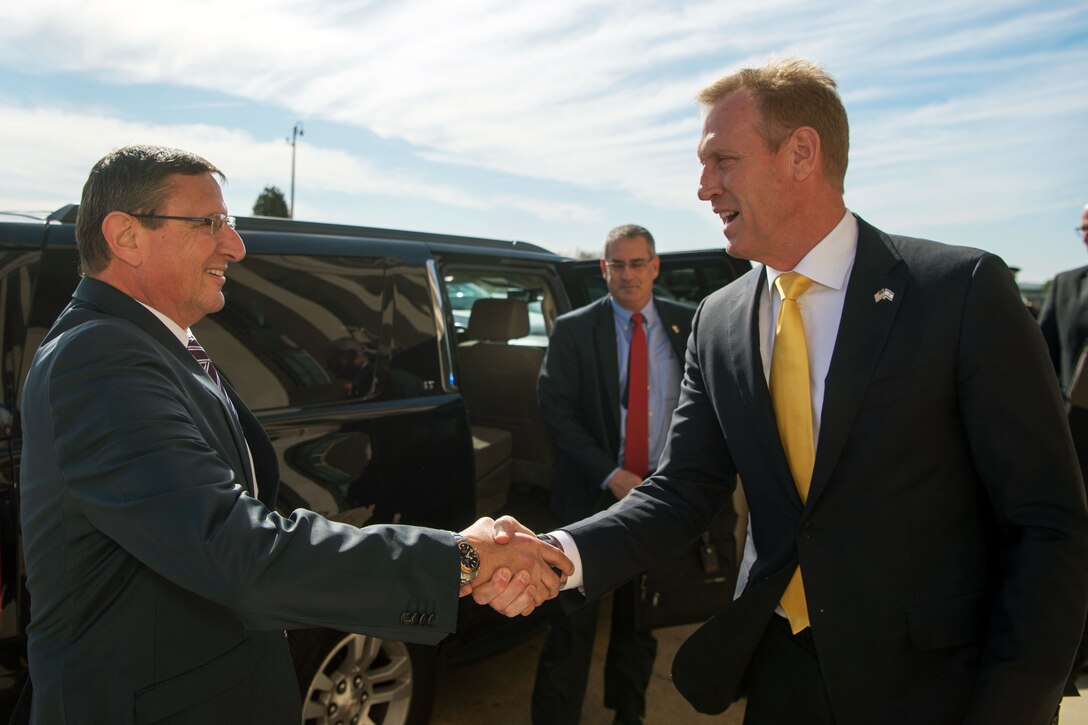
<point x="629" y="230"/>
<point x="792" y="93"/>
<point x="133" y="180"/>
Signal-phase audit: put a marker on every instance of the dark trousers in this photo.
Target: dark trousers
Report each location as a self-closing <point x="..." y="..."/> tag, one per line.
<point x="563" y="670"/>
<point x="785" y="685"/>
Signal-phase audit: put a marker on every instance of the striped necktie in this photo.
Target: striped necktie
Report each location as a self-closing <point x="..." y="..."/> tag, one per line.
<point x="198" y="352"/>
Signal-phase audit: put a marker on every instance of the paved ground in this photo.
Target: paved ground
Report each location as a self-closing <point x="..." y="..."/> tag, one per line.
<point x="497" y="690"/>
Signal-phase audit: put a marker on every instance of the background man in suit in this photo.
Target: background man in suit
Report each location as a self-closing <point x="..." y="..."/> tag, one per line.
<point x="927" y="541"/>
<point x="593" y="355"/>
<point x="1064" y="321"/>
<point x="161" y="580"/>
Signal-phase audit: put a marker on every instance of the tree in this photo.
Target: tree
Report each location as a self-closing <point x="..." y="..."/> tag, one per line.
<point x="271" y="202"/>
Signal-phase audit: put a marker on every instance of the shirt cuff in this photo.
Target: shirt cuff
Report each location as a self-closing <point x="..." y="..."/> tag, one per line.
<point x="574" y="581"/>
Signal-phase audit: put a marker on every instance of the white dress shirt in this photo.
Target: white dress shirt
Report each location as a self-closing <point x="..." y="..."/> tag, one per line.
<point x="828" y="265"/>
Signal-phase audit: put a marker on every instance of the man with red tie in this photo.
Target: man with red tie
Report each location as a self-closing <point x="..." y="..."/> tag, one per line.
<point x="607" y="388"/>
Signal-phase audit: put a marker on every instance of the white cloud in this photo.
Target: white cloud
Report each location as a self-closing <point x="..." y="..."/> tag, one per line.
<point x="953" y="106"/>
<point x="46" y="163"/>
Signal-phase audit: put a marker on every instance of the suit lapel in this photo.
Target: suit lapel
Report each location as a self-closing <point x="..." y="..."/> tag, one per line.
<point x="676" y="328"/>
<point x="863" y="330"/>
<point x="604" y="334"/>
<point x="746" y="360"/>
<point x="114" y="302"/>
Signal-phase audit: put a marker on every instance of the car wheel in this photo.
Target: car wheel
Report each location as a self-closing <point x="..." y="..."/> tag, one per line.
<point x="353" y="678"/>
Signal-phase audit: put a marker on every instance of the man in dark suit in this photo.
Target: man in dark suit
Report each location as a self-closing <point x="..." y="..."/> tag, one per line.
<point x="1064" y="321"/>
<point x="585" y="400"/>
<point x="920" y="557"/>
<point x="161" y="579"/>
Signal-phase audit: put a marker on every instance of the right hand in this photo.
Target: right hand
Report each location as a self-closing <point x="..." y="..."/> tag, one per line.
<point x="621" y="482"/>
<point x="505" y="546"/>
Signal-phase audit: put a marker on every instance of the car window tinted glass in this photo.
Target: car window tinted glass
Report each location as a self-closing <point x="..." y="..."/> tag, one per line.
<point x="409" y="363"/>
<point x="298" y="330"/>
<point x="687" y="282"/>
<point x="17" y="272"/>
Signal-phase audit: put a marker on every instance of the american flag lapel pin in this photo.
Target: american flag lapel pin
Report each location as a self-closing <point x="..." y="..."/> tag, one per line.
<point x="884" y="294"/>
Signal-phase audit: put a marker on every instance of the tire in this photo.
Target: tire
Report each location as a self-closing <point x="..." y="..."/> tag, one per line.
<point x="347" y="679"/>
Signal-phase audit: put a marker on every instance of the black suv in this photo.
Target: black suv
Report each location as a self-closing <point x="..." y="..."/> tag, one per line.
<point x="395" y="374"/>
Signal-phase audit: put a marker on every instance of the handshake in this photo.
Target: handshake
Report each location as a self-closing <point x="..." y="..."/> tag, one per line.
<point x="518" y="572"/>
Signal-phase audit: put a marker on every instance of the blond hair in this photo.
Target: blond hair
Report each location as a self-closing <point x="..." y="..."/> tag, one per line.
<point x="792" y="93"/>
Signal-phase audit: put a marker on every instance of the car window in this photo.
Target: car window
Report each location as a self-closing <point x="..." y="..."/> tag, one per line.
<point x="300" y="330"/>
<point x="17" y="272"/>
<point x="682" y="280"/>
<point x="465" y="286"/>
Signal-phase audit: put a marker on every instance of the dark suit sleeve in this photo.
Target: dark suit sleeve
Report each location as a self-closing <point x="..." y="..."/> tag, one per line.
<point x="1014" y="422"/>
<point x="566" y="378"/>
<point x="139" y="466"/>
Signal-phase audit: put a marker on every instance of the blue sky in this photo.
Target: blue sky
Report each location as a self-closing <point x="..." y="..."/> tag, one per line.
<point x="553" y="122"/>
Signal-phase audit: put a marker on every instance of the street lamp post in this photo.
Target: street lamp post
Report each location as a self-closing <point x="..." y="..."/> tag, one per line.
<point x="295" y="133"/>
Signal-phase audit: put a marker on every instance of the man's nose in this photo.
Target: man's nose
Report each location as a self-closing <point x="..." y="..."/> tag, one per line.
<point x="708" y="184"/>
<point x="231" y="245"/>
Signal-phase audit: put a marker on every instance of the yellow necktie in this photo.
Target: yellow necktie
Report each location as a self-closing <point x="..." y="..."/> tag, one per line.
<point x="791" y="395"/>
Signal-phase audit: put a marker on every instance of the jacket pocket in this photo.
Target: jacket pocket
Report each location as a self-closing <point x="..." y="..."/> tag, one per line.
<point x="191" y="688"/>
<point x="950" y="623"/>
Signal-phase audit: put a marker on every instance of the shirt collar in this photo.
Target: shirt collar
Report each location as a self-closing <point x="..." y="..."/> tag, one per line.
<point x="623" y="315"/>
<point x="830" y="261"/>
<point x="182" y="335"/>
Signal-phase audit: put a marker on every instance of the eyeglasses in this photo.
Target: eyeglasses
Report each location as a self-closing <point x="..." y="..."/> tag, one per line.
<point x="215" y="221"/>
<point x="617" y="265"/>
<point x="1081" y="231"/>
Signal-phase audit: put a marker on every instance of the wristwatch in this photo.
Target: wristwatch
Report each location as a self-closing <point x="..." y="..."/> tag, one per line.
<point x="470" y="560"/>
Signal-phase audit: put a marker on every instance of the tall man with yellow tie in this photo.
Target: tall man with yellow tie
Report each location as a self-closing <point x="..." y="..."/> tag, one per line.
<point x="926" y="532"/>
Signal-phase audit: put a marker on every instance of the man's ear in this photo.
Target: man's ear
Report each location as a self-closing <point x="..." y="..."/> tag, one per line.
<point x="804" y="152"/>
<point x="123" y="237"/>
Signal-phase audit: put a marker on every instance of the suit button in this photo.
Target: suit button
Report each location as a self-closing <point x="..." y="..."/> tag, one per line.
<point x="405" y="618"/>
<point x="415" y="617"/>
<point x="431" y="619"/>
<point x="807" y="529"/>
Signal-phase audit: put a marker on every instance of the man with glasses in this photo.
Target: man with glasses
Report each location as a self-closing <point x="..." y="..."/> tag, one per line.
<point x="161" y="577"/>
<point x="609" y="434"/>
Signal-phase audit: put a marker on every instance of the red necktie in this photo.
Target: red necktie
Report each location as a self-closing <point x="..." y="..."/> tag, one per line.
<point x="637" y="434"/>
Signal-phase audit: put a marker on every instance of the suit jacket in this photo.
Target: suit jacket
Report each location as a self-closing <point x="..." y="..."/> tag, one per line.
<point x="579" y="393"/>
<point x="1064" y="321"/>
<point x="945" y="533"/>
<point x="160" y="588"/>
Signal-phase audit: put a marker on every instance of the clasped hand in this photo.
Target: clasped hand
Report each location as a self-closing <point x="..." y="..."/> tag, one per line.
<point x="518" y="572"/>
